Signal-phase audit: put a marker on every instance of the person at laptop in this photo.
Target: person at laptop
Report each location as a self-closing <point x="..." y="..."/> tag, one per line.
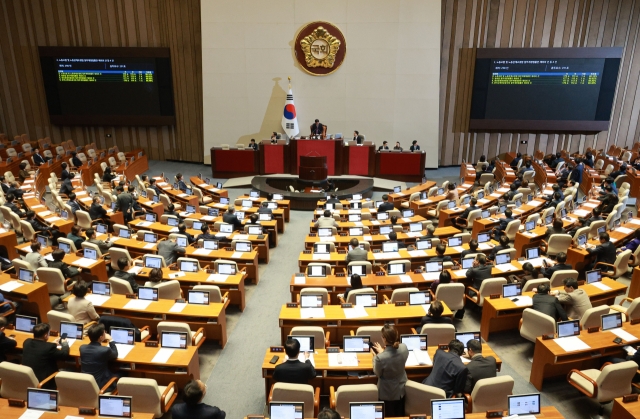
<point x="171" y="210"/>
<point x="473" y="248"/>
<point x="333" y="199"/>
<point x="513" y="190"/>
<point x="472" y="207"/>
<point x="479" y="271"/>
<point x="193" y="408"/>
<point x="388" y="366"/>
<point x="13" y="205"/>
<point x="121" y="273"/>
<point x="397" y="147"/>
<point x="556" y="228"/>
<point x="384" y="146"/>
<point x="440" y="257"/>
<point x="445" y="278"/>
<point x="480" y="366"/>
<point x="608" y="182"/>
<point x="498" y="231"/>
<point x="264" y="208"/>
<point x="327" y="413"/>
<point x="181" y="185"/>
<point x="386" y="206"/>
<point x="548" y="304"/>
<point x="575" y="300"/>
<point x="452" y="192"/>
<point x="6" y="343"/>
<point x="170" y="251"/>
<point x="430" y="229"/>
<point x="356" y="253"/>
<point x="504" y="245"/>
<point x="154" y="187"/>
<point x="104" y="246"/>
<point x="292" y="370"/>
<point x="230" y="217"/>
<point x="448" y="373"/>
<point x="414" y="146"/>
<point x="326" y="221"/>
<point x="633" y="244"/>
<point x="581" y="222"/>
<point x="486" y="169"/>
<point x="356" y="284"/>
<point x="182" y="229"/>
<point x="155" y="278"/>
<point x="79" y="307"/>
<point x="609" y="200"/>
<point x="16" y="191"/>
<point x="514" y="162"/>
<point x="206" y="234"/>
<point x="434" y="316"/>
<point x="528" y="272"/>
<point x="37" y="226"/>
<point x="605" y="252"/>
<point x="94" y="358"/>
<point x="97" y="211"/>
<point x="108" y="175"/>
<point x="555" y="201"/>
<point x="35" y="258"/>
<point x="43" y="356"/>
<point x="253" y="145"/>
<point x="561" y="265"/>
<point x="527" y="167"/>
<point x="393" y="237"/>
<point x="69" y="272"/>
<point x="595" y="216"/>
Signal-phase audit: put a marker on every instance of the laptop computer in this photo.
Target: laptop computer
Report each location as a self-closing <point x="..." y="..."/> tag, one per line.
<point x="148" y="293"/>
<point x="465" y="337"/>
<point x="502" y="209"/>
<point x="356" y="231"/>
<point x="356" y="197"/>
<point x="255" y="230"/>
<point x="325" y="232"/>
<point x="485" y="214"/>
<point x="397" y="189"/>
<point x="219" y="185"/>
<point x="286" y="410"/>
<point x="153" y="262"/>
<point x="415" y="227"/>
<point x="188" y="266"/>
<point x="419" y="298"/>
<point x="382" y="216"/>
<point x="226" y="269"/>
<point x="123" y="233"/>
<point x="247" y="203"/>
<point x="182" y="241"/>
<point x="174" y="340"/>
<point x="423" y="244"/>
<point x="66" y="247"/>
<point x="90" y="254"/>
<point x="198" y="297"/>
<point x="529" y="225"/>
<point x="311" y="300"/>
<point x="254" y="194"/>
<point x="114" y="406"/>
<point x="454" y="241"/>
<point x="523" y="404"/>
<point x="367" y="300"/>
<point x="451" y="205"/>
<point x="582" y="240"/>
<point x="197" y="225"/>
<point x="533" y="253"/>
<point x="385" y="230"/>
<point x="366" y="410"/>
<point x="593" y="276"/>
<point x="102" y="228"/>
<point x="210" y="244"/>
<point x="466" y="200"/>
<point x="306" y="343"/>
<point x="395" y="269"/>
<point x="503" y="258"/>
<point x="467" y="263"/>
<point x="123" y="335"/>
<point x="407" y="213"/>
<point x="42" y="240"/>
<point x="511" y="290"/>
<point x="100" y="288"/>
<point x="213" y="212"/>
<point x="391" y="246"/>
<point x="568" y="328"/>
<point x="484" y="237"/>
<point x="26" y="275"/>
<point x="224" y="200"/>
<point x="433" y="266"/>
<point x="447" y="409"/>
<point x="243" y="247"/>
<point x="321" y="248"/>
<point x="150" y="217"/>
<point x="356" y="343"/>
<point x="173" y="222"/>
<point x="415" y="342"/>
<point x="611" y="321"/>
<point x="316" y="271"/>
<point x="355" y="218"/>
<point x="40" y="399"/>
<point x="150" y="237"/>
<point x="224" y="228"/>
<point x="25" y="323"/>
<point x="73" y="330"/>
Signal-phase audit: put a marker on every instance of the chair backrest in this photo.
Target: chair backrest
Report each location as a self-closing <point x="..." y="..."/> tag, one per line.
<point x="417" y="399"/>
<point x="53" y="278"/>
<point x="317" y="291"/>
<point x="591" y="317"/>
<point x="348" y="393"/>
<point x="490" y="286"/>
<point x="224" y="261"/>
<point x="402" y="294"/>
<point x="451" y="294"/>
<point x="215" y="295"/>
<point x="120" y="286"/>
<point x="77" y="389"/>
<point x="512" y="229"/>
<point x="375" y="332"/>
<point x="55" y="317"/>
<point x="633" y="311"/>
<point x="534" y="283"/>
<point x="615" y="380"/>
<point x="535" y="323"/>
<point x="174" y="327"/>
<point x="117" y="253"/>
<point x="622" y="263"/>
<point x="581" y="231"/>
<point x="287" y="392"/>
<point x="169" y="290"/>
<point x="29" y="233"/>
<point x="351" y="298"/>
<point x="87" y="245"/>
<point x="144" y="391"/>
<point x="473" y="215"/>
<point x="368" y="266"/>
<point x="438" y="333"/>
<point x="316" y="331"/>
<point x="15" y="380"/>
<point x="558" y="243"/>
<point x="559" y="276"/>
<point x="405" y="262"/>
<point x="491" y="393"/>
<point x="466" y="237"/>
<point x="183" y="259"/>
<point x="595" y="226"/>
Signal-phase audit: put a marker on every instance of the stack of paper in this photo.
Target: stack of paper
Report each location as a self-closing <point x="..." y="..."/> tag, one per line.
<point x="624" y="230"/>
<point x="405" y="278"/>
<point x="624" y="335"/>
<point x="425" y="307"/>
<point x="135" y="270"/>
<point x="177" y="307"/>
<point x="238" y="255"/>
<point x="343" y="359"/>
<point x="355" y="312"/>
<point x="417" y="253"/>
<point x="241" y="237"/>
<point x="84" y="262"/>
<point x="321" y="256"/>
<point x="431" y="276"/>
<point x="506" y="267"/>
<point x="571" y="343"/>
<point x="312" y="313"/>
<point x="149" y="245"/>
<point x="485" y="246"/>
<point x="300" y="280"/>
<point x="418" y="358"/>
<point x="602" y="286"/>
<point x="387" y="255"/>
<point x="202" y="252"/>
<point x="177" y="275"/>
<point x="523" y="301"/>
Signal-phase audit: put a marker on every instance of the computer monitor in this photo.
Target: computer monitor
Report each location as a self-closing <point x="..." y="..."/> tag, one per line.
<point x="114" y="406"/>
<point x="484" y="237"/>
<point x="243" y="246"/>
<point x="182" y="241"/>
<point x="123" y="335"/>
<point x="356" y="231"/>
<point x="367" y="300"/>
<point x="219" y="185"/>
<point x="210" y="244"/>
<point x="548" y="219"/>
<point x="356" y="197"/>
<point x="90" y="253"/>
<point x="42" y="240"/>
<point x="593" y="276"/>
<point x="419" y="298"/>
<point x="533" y="253"/>
<point x="224" y="200"/>
<point x="602" y="229"/>
<point x="480" y="195"/>
<point x="73" y="330"/>
<point x="175" y="340"/>
<point x="102" y="228"/>
<point x="397" y="189"/>
<point x="25" y="323"/>
<point x="523" y="404"/>
<point x="100" y="288"/>
<point x="366" y="410"/>
<point x="467" y="263"/>
<point x="306" y="343"/>
<point x="113" y="204"/>
<point x="255" y="230"/>
<point x="325" y="232"/>
<point x="316" y="271"/>
<point x="278" y="197"/>
<point x="391" y="246"/>
<point x="155" y="199"/>
<point x="423" y="244"/>
<point x="433" y="266"/>
<point x="395" y="269"/>
<point x="197" y="225"/>
<point x="148" y="293"/>
<point x="502" y="208"/>
<point x="447" y="409"/>
<point x="502" y="258"/>
<point x="188" y="266"/>
<point x="415" y="227"/>
<point x="25" y="275"/>
<point x="454" y="241"/>
<point x="568" y="328"/>
<point x="415" y="342"/>
<point x="123" y="233"/>
<point x="329" y="206"/>
<point x="529" y="225"/>
<point x="150" y="237"/>
<point x="465" y="337"/>
<point x="440" y="191"/>
<point x="226" y="269"/>
<point x="518" y="203"/>
<point x="153" y="261"/>
<point x="466" y="200"/>
<point x="385" y="230"/>
<point x="39" y="399"/>
<point x="224" y="228"/>
<point x="286" y="410"/>
<point x="198" y="297"/>
<point x="511" y="290"/>
<point x="321" y="248"/>
<point x="247" y="203"/>
<point x="254" y="194"/>
<point x="611" y="321"/>
<point x="451" y="205"/>
<point x="310" y="300"/>
<point x="563" y="213"/>
<point x="64" y="215"/>
<point x="66" y="247"/>
<point x="582" y="240"/>
<point x="150" y="217"/>
<point x="408" y="213"/>
<point x="485" y="214"/>
<point x="213" y="212"/>
<point x="356" y="343"/>
<point x="173" y="222"/>
<point x="355" y="218"/>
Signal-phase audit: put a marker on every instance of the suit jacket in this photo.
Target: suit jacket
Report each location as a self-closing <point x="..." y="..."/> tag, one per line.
<point x="232" y="219"/>
<point x="97" y="211"/>
<point x="198" y="411"/>
<point x="17" y="192"/>
<point x="576" y="302"/>
<point x="434" y="320"/>
<point x="549" y="305"/>
<point x="130" y="278"/>
<point x="102" y="245"/>
<point x="552" y="230"/>
<point x="77" y="240"/>
<point x="74" y="206"/>
<point x="94" y="360"/>
<point x="5" y="187"/>
<point x="386" y="206"/>
<point x="6" y="344"/>
<point x="13" y="207"/>
<point x="64" y="174"/>
<point x="37" y="225"/>
<point x="264" y="210"/>
<point x="36" y="260"/>
<point x="82" y="309"/>
<point x="388" y="365"/>
<point x="295" y="372"/>
<point x="169" y="250"/>
<point x="548" y="272"/>
<point x="43" y="356"/>
<point x="326" y="222"/>
<point x="448" y="373"/>
<point x="605" y="252"/>
<point x="66" y="187"/>
<point x="38" y="159"/>
<point x="480" y="367"/>
<point x="414" y="148"/>
<point x="467" y="211"/>
<point x="357" y="254"/>
<point x="67" y="271"/>
<point x="479" y="274"/>
<point x="495" y="250"/>
<point x="383" y="147"/>
<point x="576" y="173"/>
<point x="254" y="146"/>
<point x="609" y="201"/>
<point x="76" y="162"/>
<point x="124" y="203"/>
<point x="514" y="162"/>
<point x="502" y="226"/>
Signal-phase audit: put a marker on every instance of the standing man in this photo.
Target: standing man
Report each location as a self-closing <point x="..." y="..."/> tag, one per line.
<point x="124" y="203"/>
<point x="170" y="251"/>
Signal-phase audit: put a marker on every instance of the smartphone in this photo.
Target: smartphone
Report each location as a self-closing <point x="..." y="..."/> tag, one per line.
<point x="274" y="359"/>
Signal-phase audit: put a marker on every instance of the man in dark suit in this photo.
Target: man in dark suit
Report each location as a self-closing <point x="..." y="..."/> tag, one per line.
<point x="75" y="206"/>
<point x="619" y="172"/>
<point x="561" y="265"/>
<point x="504" y="222"/>
<point x="563" y="176"/>
<point x="384" y="146"/>
<point x="514" y="162"/>
<point x="64" y="173"/>
<point x="292" y="370"/>
<point x="556" y="228"/>
<point x="448" y="373"/>
<point x="182" y="229"/>
<point x="94" y="358"/>
<point x="548" y="304"/>
<point x="35" y="224"/>
<point x="316" y="128"/>
<point x="472" y="207"/>
<point x="38" y="158"/>
<point x="478" y="272"/>
<point x="6" y="343"/>
<point x="121" y="273"/>
<point x="386" y="205"/>
<point x="97" y="211"/>
<point x="66" y="187"/>
<point x="152" y="185"/>
<point x="357" y="137"/>
<point x="181" y="185"/>
<point x="393" y="237"/>
<point x="414" y="146"/>
<point x="124" y="203"/>
<point x="192" y="408"/>
<point x="75" y="161"/>
<point x="609" y="200"/>
<point x="356" y="253"/>
<point x="230" y="217"/>
<point x="264" y="208"/>
<point x="556" y="161"/>
<point x="504" y="245"/>
<point x="595" y="216"/>
<point x="440" y="257"/>
<point x="58" y="263"/>
<point x="576" y="174"/>
<point x="15" y="190"/>
<point x="4" y="184"/>
<point x="434" y="315"/>
<point x="480" y="367"/>
<point x="12" y="206"/>
<point x="253" y="145"/>
<point x="43" y="356"/>
<point x="605" y="252"/>
<point x="170" y="251"/>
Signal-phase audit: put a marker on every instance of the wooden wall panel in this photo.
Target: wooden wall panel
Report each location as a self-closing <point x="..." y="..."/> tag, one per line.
<point x="534" y="23"/>
<point x="27" y="24"/>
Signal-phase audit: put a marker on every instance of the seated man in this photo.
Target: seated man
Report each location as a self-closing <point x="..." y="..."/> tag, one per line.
<point x="561" y="265"/>
<point x="292" y="370"/>
<point x="253" y="145"/>
<point x="73" y="203"/>
<point x="605" y="252"/>
<point x="513" y="191"/>
<point x="548" y="304"/>
<point x="230" y="217"/>
<point x="102" y="245"/>
<point x="478" y="272"/>
<point x="264" y="208"/>
<point x="527" y="167"/>
<point x="465" y="214"/>
<point x="15" y="190"/>
<point x="182" y="229"/>
<point x="356" y="253"/>
<point x="94" y="358"/>
<point x="121" y="273"/>
<point x="393" y="236"/>
<point x="556" y="228"/>
<point x="504" y="245"/>
<point x="170" y="251"/>
<point x="434" y="316"/>
<point x="480" y="367"/>
<point x="35" y="224"/>
<point x="448" y="373"/>
<point x="575" y="300"/>
<point x="609" y="200"/>
<point x="326" y="221"/>
<point x="595" y="216"/>
<point x="75" y="236"/>
<point x="58" y="263"/>
<point x="514" y="162"/>
<point x="504" y="222"/>
<point x="12" y="204"/>
<point x="440" y="257"/>
<point x="97" y="211"/>
<point x="193" y="408"/>
<point x="6" y="343"/>
<point x="206" y="234"/>
<point x="181" y="185"/>
<point x="386" y="205"/>
<point x="473" y="248"/>
<point x="154" y="187"/>
<point x="43" y="356"/>
<point x="384" y="146"/>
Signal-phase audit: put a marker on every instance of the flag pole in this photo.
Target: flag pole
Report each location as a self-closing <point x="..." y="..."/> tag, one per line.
<point x="289" y="82"/>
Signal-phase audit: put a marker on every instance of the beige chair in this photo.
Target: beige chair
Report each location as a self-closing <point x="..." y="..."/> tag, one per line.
<point x="535" y="323"/>
<point x="351" y="298"/>
<point x="55" y="317"/>
<point x="557" y="243"/>
<point x="592" y="317"/>
<point x="374" y="332"/>
<point x="169" y="290"/>
<point x="197" y="337"/>
<point x="19" y="263"/>
<point x="29" y="233"/>
<point x="512" y="229"/>
<point x="316" y="291"/>
<point x="120" y="286"/>
<point x="604" y="385"/>
<point x="489" y="286"/>
<point x="468" y="223"/>
<point x="148" y="395"/>
<point x="368" y="267"/>
<point x="347" y="393"/>
<point x="619" y="268"/>
<point x="435" y="213"/>
<point x="559" y="276"/>
<point x="534" y="283"/>
<point x="215" y="295"/>
<point x="584" y="231"/>
<point x="224" y="261"/>
<point x="15" y="379"/>
<point x="165" y="217"/>
<point x="451" y="294"/>
<point x="117" y="253"/>
<point x="76" y="389"/>
<point x="202" y="199"/>
<point x="286" y="392"/>
<point x="438" y="333"/>
<point x="466" y="237"/>
<point x="121" y="157"/>
<point x="328" y="267"/>
<point x="632" y="312"/>
<point x="183" y="259"/>
<point x="511" y="252"/>
<point x="401" y="294"/>
<point x="417" y="399"/>
<point x="54" y="279"/>
<point x="144" y="260"/>
<point x="405" y="262"/>
<point x="490" y="394"/>
<point x="321" y="339"/>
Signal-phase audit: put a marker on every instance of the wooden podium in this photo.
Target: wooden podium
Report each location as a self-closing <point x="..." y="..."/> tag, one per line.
<point x="313" y="169"/>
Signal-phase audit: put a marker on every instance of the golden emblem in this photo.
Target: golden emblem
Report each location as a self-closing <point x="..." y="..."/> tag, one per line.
<point x="320" y="48"/>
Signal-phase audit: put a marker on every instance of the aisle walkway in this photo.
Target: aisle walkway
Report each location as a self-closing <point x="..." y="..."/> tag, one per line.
<point x="236" y="383"/>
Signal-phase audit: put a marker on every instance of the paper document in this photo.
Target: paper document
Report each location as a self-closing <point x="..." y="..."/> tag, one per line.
<point x="123" y="350"/>
<point x="320" y="256"/>
<point x="217" y="278"/>
<point x="44" y="213"/>
<point x="589" y="205"/>
<point x="208" y="218"/>
<point x="418" y="358"/>
<point x="634" y="221"/>
<point x="406" y="219"/>
<point x="534" y="203"/>
<point x="367" y="238"/>
<point x="464" y="359"/>
<point x="96" y="299"/>
<point x="84" y="262"/>
<point x="460" y="273"/>
<point x="355" y="312"/>
<point x="624" y="230"/>
<point x="137" y="304"/>
<point x="485" y="246"/>
<point x="300" y="280"/>
<point x="425" y="201"/>
<point x="387" y="255"/>
<point x="414" y="234"/>
<point x="238" y="255"/>
<point x="202" y="252"/>
<point x="177" y="308"/>
<point x="506" y="267"/>
<point x="49" y="257"/>
<point x="431" y="276"/>
<point x="624" y="335"/>
<point x="37" y="206"/>
<point x="241" y="237"/>
<point x="328" y="239"/>
<point x="523" y="301"/>
<point x="31" y="414"/>
<point x="52" y="219"/>
<point x="144" y="224"/>
<point x="602" y="286"/>
<point x="375" y="222"/>
<point x="581" y="213"/>
<point x="571" y="343"/>
<point x="149" y="245"/>
<point x="162" y="356"/>
<point x="405" y="278"/>
<point x="135" y="270"/>
<point x="417" y="253"/>
<point x="312" y="313"/>
<point x="343" y="359"/>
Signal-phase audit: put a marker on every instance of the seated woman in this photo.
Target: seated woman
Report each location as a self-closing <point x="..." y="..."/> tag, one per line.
<point x="155" y="278"/>
<point x="445" y="278"/>
<point x="79" y="307"/>
<point x="529" y="272"/>
<point x="356" y="284"/>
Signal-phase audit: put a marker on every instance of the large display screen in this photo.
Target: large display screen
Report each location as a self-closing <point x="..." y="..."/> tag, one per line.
<point x="537" y="89"/>
<point x="113" y="86"/>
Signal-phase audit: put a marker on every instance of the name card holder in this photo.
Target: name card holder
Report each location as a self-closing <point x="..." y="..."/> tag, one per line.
<point x="17" y="403"/>
<point x="494" y="296"/>
<point x="593" y="329"/>
<point x="443" y="346"/>
<point x="495" y="413"/>
<point x="132" y="296"/>
<point x="87" y="411"/>
<point x="292" y="305"/>
<point x="401" y="303"/>
<point x="151" y="344"/>
<point x="627" y="398"/>
<point x="333" y="350"/>
<point x="276" y="349"/>
<point x="346" y="305"/>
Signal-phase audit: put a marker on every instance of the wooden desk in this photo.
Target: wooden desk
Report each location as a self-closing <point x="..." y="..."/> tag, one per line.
<point x="33" y="297"/>
<point x="208" y="189"/>
<point x="284" y="204"/>
<point x="404" y="194"/>
<point x="8" y="412"/>
<point x="550" y="360"/>
<point x="403" y="318"/>
<point x="247" y="261"/>
<point x="502" y="314"/>
<point x="139" y="165"/>
<point x="420" y="207"/>
<point x="376" y="240"/>
<point x="372" y="224"/>
<point x="9" y="240"/>
<point x="622" y="410"/>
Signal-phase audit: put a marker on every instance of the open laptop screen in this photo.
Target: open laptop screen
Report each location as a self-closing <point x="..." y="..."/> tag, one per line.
<point x="611" y="321"/>
<point x="198" y="297"/>
<point x="288" y="410"/>
<point x="25" y="275"/>
<point x="123" y="335"/>
<point x="419" y="298"/>
<point x="414" y="342"/>
<point x="447" y="409"/>
<point x="306" y="343"/>
<point x="594" y="276"/>
<point x="396" y="268"/>
<point x="465" y="337"/>
<point x="175" y="340"/>
<point x="310" y="301"/>
<point x="367" y="300"/>
<point x="533" y="253"/>
<point x="73" y="330"/>
<point x="148" y="293"/>
<point x="100" y="288"/>
<point x="511" y="290"/>
<point x="40" y="399"/>
<point x="366" y="410"/>
<point x="25" y="323"/>
<point x="524" y="404"/>
<point x="356" y="343"/>
<point x="114" y="406"/>
<point x="568" y="328"/>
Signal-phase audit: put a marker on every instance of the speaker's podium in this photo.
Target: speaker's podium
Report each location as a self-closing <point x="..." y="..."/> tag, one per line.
<point x="313" y="169"/>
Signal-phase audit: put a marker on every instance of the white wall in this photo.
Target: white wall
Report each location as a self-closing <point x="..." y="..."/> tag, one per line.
<point x="387" y="87"/>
